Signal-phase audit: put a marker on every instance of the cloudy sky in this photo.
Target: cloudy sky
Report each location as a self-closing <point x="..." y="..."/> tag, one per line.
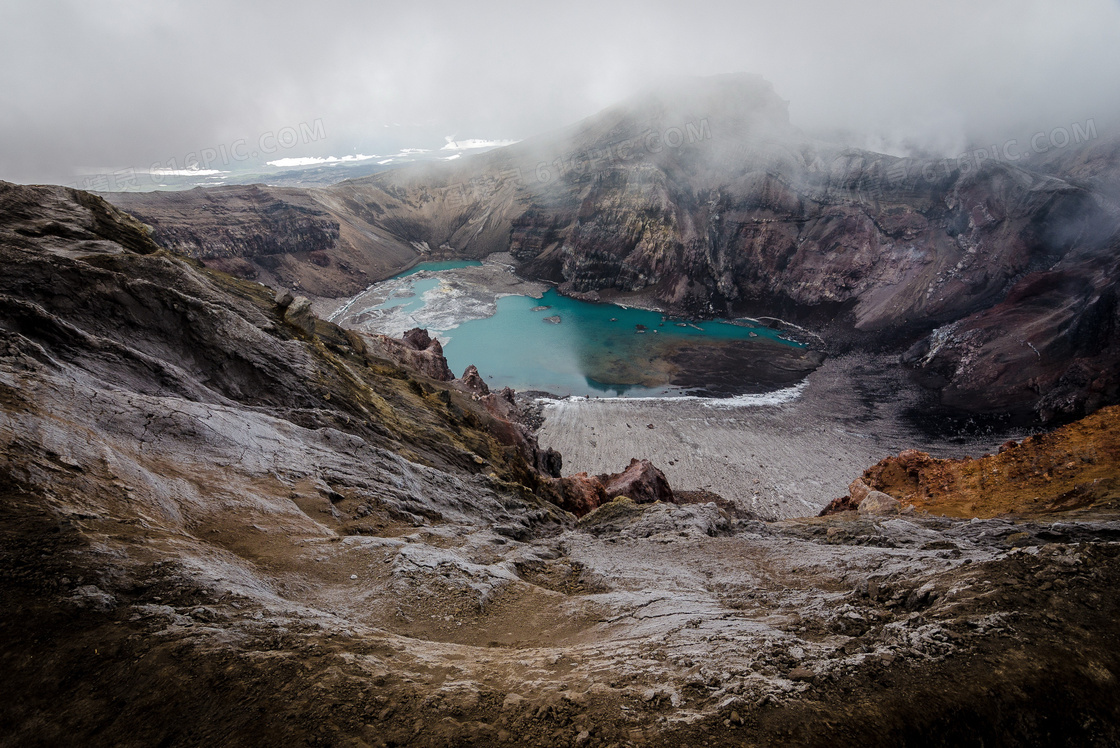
<point x="104" y="84"/>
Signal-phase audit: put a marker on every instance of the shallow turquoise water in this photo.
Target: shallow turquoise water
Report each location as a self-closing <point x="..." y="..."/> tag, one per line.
<point x="435" y="267"/>
<point x="596" y="349"/>
<point x="410" y="303"/>
<point x="420" y="287"/>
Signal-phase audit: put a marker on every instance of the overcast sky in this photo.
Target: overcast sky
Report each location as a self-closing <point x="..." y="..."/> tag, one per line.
<point x="116" y="83"/>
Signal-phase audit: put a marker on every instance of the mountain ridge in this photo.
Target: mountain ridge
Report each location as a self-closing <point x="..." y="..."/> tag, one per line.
<point x="711" y="203"/>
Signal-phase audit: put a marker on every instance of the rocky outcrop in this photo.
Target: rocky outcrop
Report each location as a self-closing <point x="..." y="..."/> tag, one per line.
<point x="513" y="430"/>
<point x="641" y="482"/>
<point x="417" y="350"/>
<point x="64" y="219"/>
<point x="298" y="313"/>
<point x="471" y="381"/>
<point x="1075" y="467"/>
<point x="581" y="493"/>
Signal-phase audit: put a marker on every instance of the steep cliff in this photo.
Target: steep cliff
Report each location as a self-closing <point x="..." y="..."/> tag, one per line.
<point x="281" y="235"/>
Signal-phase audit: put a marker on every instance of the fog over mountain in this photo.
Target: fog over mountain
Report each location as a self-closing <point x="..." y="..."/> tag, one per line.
<point x="88" y="87"/>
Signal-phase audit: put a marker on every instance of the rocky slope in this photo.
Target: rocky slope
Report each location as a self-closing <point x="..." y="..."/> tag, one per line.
<point x="226" y="521"/>
<point x="1076" y="467"/>
<point x="704" y="199"/>
<point x="1051" y="345"/>
<point x="283" y="236"/>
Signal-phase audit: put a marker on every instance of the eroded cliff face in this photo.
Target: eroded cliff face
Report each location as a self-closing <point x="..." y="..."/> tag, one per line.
<point x="282" y="236"/>
<point x="1051" y="346"/>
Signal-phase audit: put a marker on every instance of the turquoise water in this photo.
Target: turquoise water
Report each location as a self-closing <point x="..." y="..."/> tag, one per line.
<point x="437" y="266"/>
<point x="420" y="287"/>
<point x="413" y="302"/>
<point x="595" y="350"/>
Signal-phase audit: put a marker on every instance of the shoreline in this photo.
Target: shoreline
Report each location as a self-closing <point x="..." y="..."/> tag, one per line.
<point x="502" y="264"/>
<point x="777" y="460"/>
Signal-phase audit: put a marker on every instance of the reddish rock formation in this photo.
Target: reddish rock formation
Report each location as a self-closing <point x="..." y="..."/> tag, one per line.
<point x="839" y="504"/>
<point x="640" y="481"/>
<point x="581" y="493"/>
<point x="417" y="350"/>
<point x="1074" y="467"/>
<point x="471" y="381"/>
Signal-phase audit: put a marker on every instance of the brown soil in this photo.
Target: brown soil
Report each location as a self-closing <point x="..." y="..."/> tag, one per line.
<point x="1074" y="467"/>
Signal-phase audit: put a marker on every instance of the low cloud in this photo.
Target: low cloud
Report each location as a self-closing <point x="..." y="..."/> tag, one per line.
<point x="132" y="84"/>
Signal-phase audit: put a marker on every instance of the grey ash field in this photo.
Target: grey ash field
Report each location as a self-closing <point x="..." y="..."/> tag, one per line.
<point x="226" y="521"/>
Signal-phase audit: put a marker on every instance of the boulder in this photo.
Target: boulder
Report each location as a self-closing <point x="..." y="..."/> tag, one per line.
<point x="641" y="481"/>
<point x="877" y="502"/>
<point x="298" y="314"/>
<point x="284" y="298"/>
<point x="581" y="493"/>
<point x="858" y="491"/>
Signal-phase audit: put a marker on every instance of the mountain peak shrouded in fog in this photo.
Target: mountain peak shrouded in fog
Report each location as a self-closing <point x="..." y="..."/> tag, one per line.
<point x="103" y="88"/>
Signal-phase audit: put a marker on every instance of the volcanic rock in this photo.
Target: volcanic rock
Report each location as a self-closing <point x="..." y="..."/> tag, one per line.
<point x="298" y="313"/>
<point x="1075" y="466"/>
<point x="284" y="298"/>
<point x="641" y="482"/>
<point x="857" y="490"/>
<point x="877" y="502"/>
<point x="471" y="381"/>
<point x="419" y="351"/>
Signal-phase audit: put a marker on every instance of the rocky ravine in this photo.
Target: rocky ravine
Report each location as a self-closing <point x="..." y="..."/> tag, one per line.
<point x="225" y="521"/>
<point x="704" y="199"/>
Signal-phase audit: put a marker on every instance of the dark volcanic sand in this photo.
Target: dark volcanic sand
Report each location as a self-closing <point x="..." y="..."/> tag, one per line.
<point x="722" y="369"/>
